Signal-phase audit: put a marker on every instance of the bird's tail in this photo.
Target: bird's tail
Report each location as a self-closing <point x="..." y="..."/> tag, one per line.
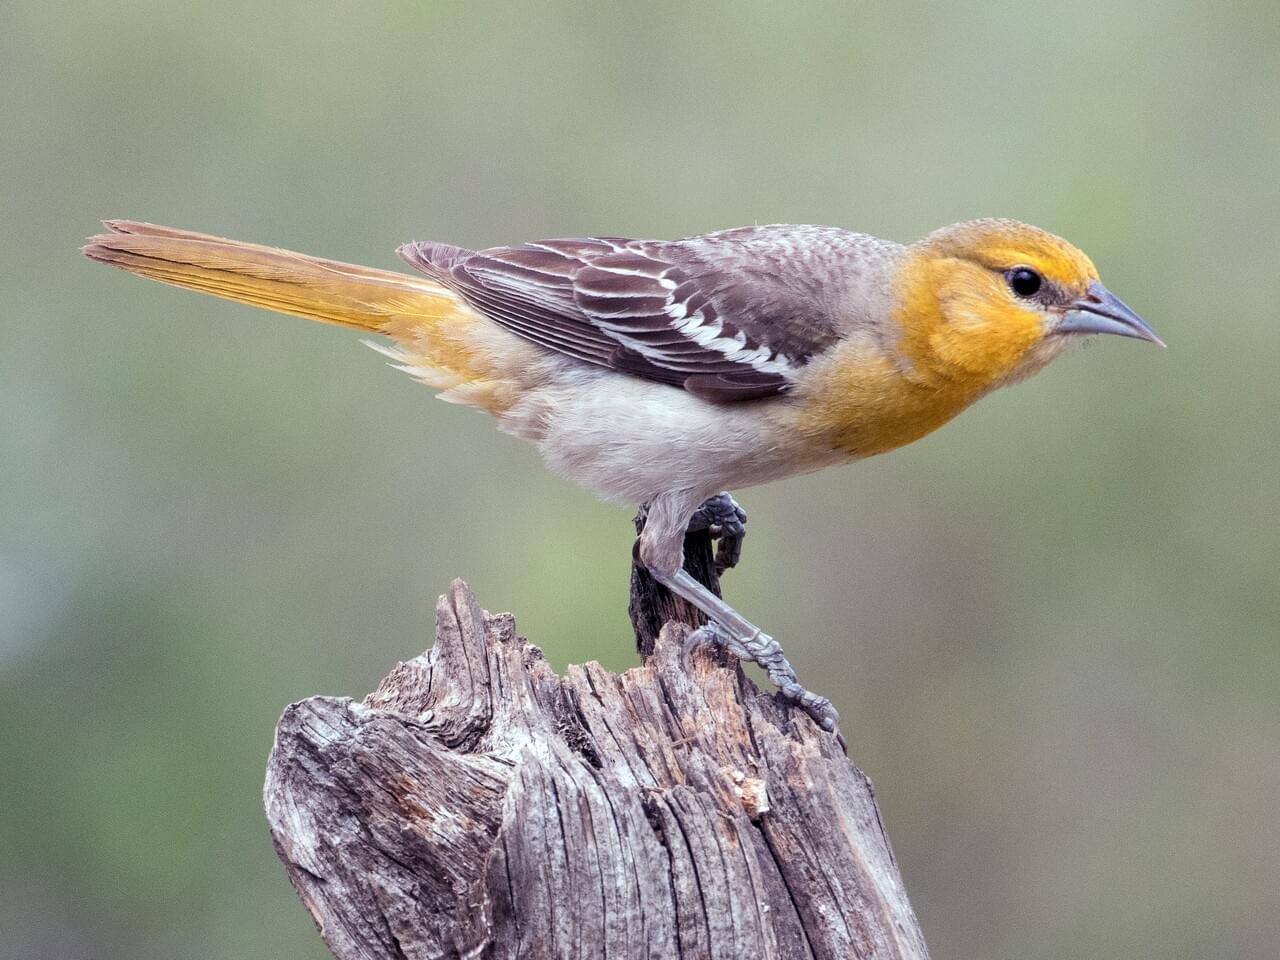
<point x="280" y="280"/>
<point x="434" y="328"/>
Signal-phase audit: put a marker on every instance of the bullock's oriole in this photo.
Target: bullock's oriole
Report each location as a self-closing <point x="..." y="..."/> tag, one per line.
<point x="665" y="373"/>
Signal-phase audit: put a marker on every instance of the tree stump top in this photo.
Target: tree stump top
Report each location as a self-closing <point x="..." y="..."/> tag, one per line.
<point x="479" y="805"/>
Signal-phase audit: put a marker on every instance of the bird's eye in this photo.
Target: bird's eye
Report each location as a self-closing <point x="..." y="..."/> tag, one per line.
<point x="1024" y="281"/>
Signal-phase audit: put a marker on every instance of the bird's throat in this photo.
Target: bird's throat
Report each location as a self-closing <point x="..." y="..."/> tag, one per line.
<point x="863" y="403"/>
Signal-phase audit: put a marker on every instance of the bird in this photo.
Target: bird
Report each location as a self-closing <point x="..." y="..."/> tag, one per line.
<point x="667" y="373"/>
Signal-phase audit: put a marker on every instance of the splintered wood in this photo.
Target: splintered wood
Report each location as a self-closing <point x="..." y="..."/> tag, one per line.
<point x="478" y="805"/>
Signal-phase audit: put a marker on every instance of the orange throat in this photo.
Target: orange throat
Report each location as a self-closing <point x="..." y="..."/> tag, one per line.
<point x="861" y="403"/>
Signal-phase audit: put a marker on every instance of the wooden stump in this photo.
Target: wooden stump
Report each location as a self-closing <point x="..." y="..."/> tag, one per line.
<point x="478" y="805"/>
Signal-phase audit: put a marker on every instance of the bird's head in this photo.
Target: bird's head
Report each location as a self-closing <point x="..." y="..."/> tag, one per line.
<point x="988" y="302"/>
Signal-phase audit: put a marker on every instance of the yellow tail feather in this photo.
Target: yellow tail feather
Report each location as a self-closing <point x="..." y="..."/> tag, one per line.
<point x="363" y="298"/>
<point x="441" y="341"/>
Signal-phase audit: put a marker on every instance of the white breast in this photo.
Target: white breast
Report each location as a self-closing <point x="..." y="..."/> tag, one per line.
<point x="629" y="439"/>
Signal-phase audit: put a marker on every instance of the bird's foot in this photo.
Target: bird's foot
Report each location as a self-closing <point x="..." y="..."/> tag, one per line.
<point x="726" y="521"/>
<point x="762" y="649"/>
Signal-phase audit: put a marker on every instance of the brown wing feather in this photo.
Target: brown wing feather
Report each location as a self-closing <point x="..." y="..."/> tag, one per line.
<point x="727" y="316"/>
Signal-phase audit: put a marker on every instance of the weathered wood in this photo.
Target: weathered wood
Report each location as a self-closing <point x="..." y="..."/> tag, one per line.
<point x="478" y="805"/>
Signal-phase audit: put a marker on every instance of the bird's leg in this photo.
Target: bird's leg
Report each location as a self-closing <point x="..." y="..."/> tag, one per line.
<point x="659" y="549"/>
<point x="726" y="521"/>
<point x="746" y="641"/>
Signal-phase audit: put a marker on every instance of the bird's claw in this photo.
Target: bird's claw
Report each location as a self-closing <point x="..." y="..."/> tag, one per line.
<point x="762" y="649"/>
<point x="726" y="521"/>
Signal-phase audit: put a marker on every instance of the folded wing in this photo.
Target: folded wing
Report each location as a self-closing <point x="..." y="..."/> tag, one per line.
<point x="726" y="316"/>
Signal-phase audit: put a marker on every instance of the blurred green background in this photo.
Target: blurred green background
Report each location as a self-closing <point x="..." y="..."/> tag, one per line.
<point x="1051" y="628"/>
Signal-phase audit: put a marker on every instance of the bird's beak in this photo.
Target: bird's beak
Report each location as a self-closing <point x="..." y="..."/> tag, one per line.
<point x="1101" y="311"/>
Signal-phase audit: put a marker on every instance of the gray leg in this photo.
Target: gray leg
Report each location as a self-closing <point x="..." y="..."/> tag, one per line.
<point x="745" y="640"/>
<point x="727" y="523"/>
<point x="660" y="549"/>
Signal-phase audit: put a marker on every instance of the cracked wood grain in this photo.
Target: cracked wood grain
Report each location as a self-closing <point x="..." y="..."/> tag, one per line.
<point x="479" y="805"/>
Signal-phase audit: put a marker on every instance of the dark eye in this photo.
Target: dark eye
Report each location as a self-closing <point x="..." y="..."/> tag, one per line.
<point x="1024" y="281"/>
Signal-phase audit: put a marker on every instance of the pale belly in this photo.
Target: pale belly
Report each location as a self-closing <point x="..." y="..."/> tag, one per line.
<point x="629" y="440"/>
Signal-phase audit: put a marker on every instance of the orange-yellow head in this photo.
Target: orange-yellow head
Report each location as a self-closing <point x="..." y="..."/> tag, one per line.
<point x="988" y="302"/>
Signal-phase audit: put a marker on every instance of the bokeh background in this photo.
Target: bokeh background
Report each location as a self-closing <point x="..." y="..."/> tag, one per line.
<point x="1051" y="628"/>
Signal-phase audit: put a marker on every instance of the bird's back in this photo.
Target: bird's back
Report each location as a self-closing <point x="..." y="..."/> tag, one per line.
<point x="731" y="315"/>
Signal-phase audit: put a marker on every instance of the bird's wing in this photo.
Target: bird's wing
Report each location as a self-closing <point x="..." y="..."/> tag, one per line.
<point x="726" y="316"/>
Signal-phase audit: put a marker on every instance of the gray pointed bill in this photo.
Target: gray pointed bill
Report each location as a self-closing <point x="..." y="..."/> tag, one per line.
<point x="1101" y="311"/>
